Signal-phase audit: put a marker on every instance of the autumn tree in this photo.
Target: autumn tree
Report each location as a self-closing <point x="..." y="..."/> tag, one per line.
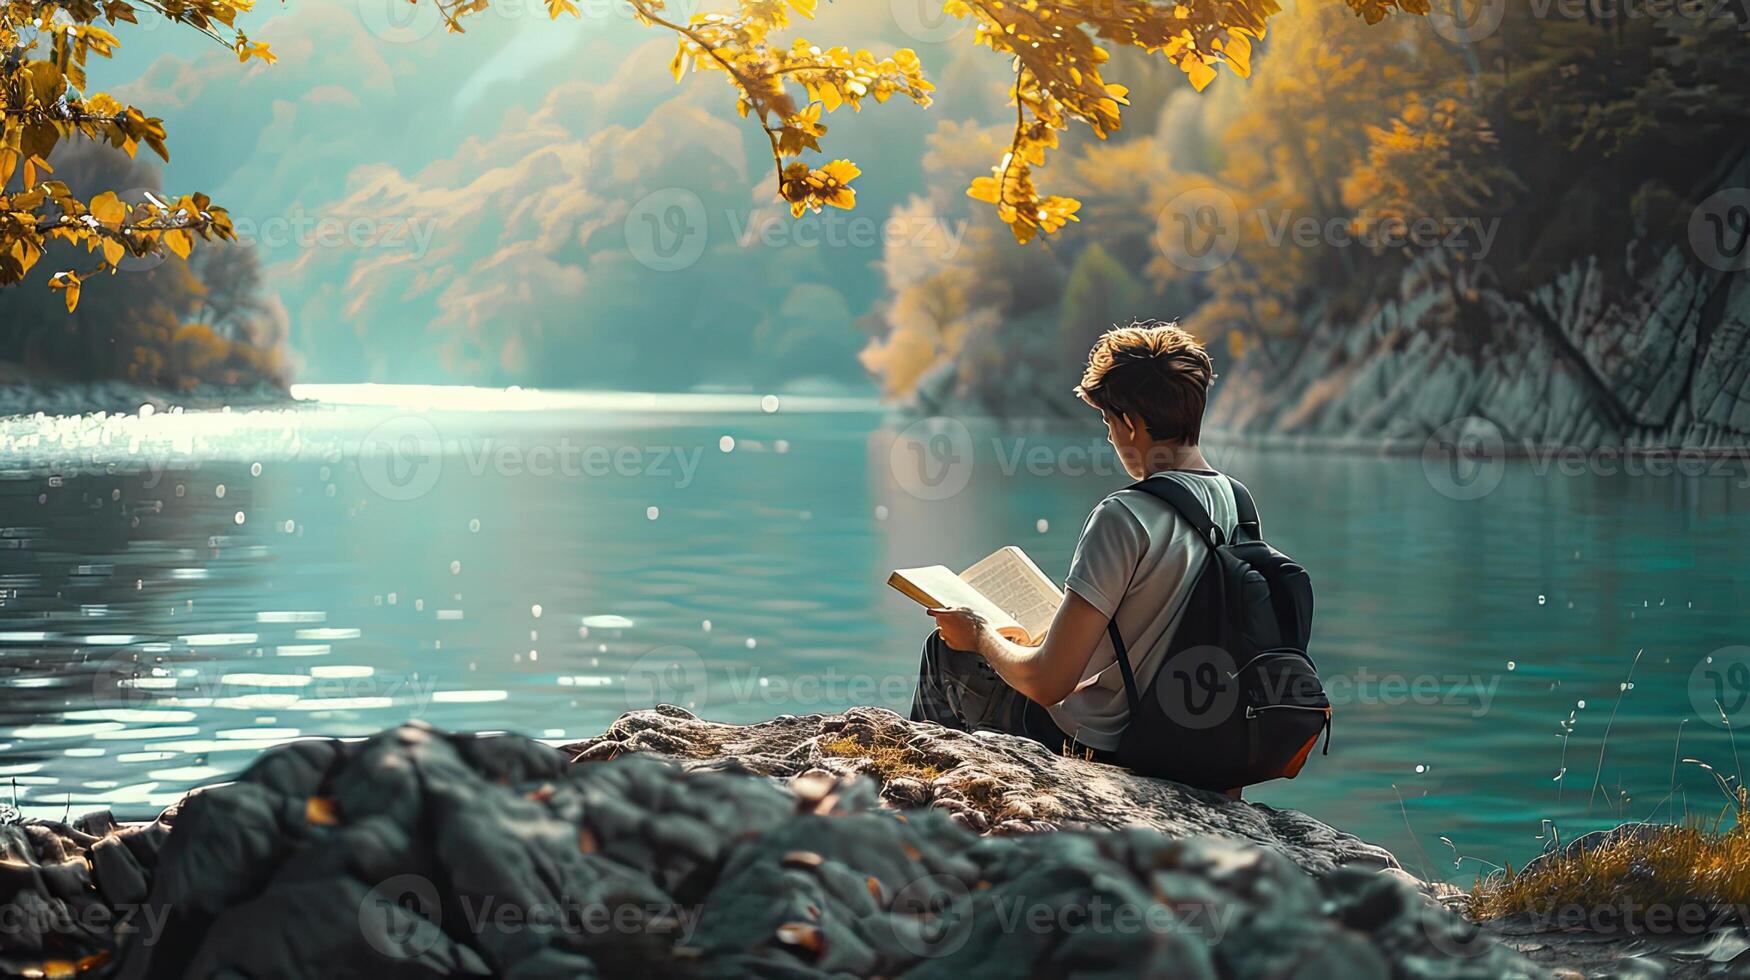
<point x="163" y="321"/>
<point x="1059" y="51"/>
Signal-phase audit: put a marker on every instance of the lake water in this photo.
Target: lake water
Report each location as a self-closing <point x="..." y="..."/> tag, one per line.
<point x="179" y="591"/>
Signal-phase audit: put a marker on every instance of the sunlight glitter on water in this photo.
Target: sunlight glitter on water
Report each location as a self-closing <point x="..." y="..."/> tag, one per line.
<point x="325" y="421"/>
<point x="459" y="398"/>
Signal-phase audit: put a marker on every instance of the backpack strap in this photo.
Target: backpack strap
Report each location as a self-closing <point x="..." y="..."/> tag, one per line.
<point x="1180" y="498"/>
<point x="1246" y="510"/>
<point x="1130" y="693"/>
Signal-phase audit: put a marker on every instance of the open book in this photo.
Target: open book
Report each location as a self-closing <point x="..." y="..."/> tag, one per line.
<point x="1004" y="587"/>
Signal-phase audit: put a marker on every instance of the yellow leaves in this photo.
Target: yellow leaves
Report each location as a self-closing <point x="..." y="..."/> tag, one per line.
<point x="44" y="102"/>
<point x="1018" y="202"/>
<point x="247" y="49"/>
<point x="557" y="7"/>
<point x="1236" y="50"/>
<point x="31" y="166"/>
<point x="736" y="44"/>
<point x="45" y="81"/>
<point x="1198" y="72"/>
<point x="24" y="254"/>
<point x="1054" y="211"/>
<point x="179" y="241"/>
<point x="985" y="189"/>
<point x="108" y="208"/>
<point x="809" y="189"/>
<point x="68" y="283"/>
<point x="801" y="132"/>
<point x="110" y="211"/>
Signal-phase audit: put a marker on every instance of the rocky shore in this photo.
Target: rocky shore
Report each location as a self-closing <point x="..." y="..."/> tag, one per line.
<point x="19" y="396"/>
<point x="852" y="845"/>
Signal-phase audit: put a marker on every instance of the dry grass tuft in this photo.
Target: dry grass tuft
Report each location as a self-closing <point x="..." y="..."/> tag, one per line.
<point x="1671" y="866"/>
<point x="889" y="759"/>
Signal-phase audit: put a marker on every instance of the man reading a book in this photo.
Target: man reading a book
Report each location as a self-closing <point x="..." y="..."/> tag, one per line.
<point x="1136" y="560"/>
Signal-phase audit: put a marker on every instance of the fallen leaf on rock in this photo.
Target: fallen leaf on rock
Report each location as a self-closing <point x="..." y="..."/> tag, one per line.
<point x="586" y="841"/>
<point x="803" y="859"/>
<point x="320" y="811"/>
<point x="803" y="935"/>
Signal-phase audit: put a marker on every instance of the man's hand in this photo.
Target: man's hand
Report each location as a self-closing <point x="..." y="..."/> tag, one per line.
<point x="960" y="627"/>
<point x="1046" y="673"/>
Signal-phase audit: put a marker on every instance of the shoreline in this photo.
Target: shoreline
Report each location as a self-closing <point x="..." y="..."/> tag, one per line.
<point x="27" y="399"/>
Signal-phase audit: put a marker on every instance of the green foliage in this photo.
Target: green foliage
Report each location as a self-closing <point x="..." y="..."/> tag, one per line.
<point x="1100" y="294"/>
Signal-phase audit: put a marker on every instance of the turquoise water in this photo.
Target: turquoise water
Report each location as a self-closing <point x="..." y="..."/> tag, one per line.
<point x="542" y="563"/>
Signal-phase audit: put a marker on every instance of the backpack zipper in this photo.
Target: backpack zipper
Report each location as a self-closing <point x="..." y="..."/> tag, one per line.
<point x="1253" y="711"/>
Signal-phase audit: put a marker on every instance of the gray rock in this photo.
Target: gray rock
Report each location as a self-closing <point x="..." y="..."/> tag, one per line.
<point x="991" y="780"/>
<point x="417" y="853"/>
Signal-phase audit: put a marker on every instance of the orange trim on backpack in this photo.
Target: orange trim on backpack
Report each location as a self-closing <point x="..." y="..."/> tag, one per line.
<point x="1294" y="765"/>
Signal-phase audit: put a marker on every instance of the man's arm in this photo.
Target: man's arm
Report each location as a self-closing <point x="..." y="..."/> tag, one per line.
<point x="1046" y="673"/>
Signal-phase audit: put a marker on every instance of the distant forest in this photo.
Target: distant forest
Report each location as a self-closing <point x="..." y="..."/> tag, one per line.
<point x="1523" y="146"/>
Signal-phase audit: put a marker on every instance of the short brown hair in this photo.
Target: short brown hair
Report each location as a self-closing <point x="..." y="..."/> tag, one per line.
<point x="1153" y="370"/>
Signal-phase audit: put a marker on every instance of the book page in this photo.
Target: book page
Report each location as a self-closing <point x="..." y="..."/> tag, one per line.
<point x="937" y="587"/>
<point x="1010" y="580"/>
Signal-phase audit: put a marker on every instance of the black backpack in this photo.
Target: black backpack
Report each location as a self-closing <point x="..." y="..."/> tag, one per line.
<point x="1236" y="699"/>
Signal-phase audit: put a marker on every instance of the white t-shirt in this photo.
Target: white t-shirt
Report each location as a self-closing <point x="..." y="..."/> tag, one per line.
<point x="1136" y="557"/>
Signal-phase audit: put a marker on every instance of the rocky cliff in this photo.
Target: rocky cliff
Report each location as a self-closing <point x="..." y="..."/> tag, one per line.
<point x="1650" y="350"/>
